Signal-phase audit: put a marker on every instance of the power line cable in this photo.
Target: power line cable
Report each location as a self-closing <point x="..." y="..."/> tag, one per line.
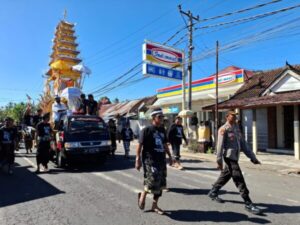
<point x="251" y="18"/>
<point x="133" y="68"/>
<point x="126" y="37"/>
<point x="239" y="11"/>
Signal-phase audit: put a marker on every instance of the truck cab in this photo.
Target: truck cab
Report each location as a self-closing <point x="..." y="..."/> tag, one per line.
<point x="82" y="138"/>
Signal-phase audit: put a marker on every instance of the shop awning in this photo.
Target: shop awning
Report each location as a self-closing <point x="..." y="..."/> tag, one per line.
<point x="210" y="94"/>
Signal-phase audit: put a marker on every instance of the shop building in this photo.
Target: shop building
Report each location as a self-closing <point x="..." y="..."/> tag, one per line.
<point x="203" y="92"/>
<point x="268" y="104"/>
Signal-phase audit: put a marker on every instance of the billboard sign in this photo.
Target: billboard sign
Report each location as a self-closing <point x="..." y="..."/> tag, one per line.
<point x="161" y="54"/>
<point x="162" y="61"/>
<point x="163" y="72"/>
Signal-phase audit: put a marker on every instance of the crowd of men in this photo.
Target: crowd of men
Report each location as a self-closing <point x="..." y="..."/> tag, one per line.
<point x="151" y="151"/>
<point x="153" y="148"/>
<point x="36" y="131"/>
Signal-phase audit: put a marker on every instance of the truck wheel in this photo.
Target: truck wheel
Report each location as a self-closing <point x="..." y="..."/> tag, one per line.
<point x="61" y="162"/>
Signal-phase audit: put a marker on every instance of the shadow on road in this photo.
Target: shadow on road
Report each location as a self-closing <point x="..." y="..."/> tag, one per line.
<point x="199" y="168"/>
<point x="190" y="161"/>
<point x="119" y="162"/>
<point x="274" y="208"/>
<point x="186" y="191"/>
<point x="23" y="186"/>
<point x="212" y="216"/>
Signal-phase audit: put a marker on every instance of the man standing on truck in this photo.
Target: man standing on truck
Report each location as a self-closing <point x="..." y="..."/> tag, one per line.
<point x="44" y="135"/>
<point x="83" y="104"/>
<point x="92" y="105"/>
<point x="59" y="109"/>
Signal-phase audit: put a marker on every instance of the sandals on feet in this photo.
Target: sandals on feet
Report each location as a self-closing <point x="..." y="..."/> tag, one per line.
<point x="158" y="211"/>
<point x="141" y="204"/>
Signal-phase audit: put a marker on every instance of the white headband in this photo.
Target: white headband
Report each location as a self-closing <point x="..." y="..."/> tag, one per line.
<point x="159" y="111"/>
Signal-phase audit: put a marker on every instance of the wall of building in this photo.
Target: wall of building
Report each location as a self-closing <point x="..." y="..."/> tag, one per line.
<point x="262" y="127"/>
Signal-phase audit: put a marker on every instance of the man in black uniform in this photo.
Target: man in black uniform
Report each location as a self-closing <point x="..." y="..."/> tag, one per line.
<point x="151" y="150"/>
<point x="230" y="143"/>
<point x="8" y="136"/>
<point x="44" y="135"/>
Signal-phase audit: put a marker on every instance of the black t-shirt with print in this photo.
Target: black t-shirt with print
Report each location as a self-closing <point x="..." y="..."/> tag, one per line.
<point x="44" y="130"/>
<point x="8" y="135"/>
<point x="36" y="119"/>
<point x="153" y="140"/>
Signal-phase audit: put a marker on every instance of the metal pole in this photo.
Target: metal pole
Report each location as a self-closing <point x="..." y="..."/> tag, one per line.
<point x="183" y="92"/>
<point x="217" y="93"/>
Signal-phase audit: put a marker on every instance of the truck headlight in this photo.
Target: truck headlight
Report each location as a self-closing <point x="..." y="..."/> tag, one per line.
<point x="72" y="144"/>
<point x="105" y="143"/>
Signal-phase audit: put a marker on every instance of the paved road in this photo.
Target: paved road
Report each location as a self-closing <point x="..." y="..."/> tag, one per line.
<point x="108" y="195"/>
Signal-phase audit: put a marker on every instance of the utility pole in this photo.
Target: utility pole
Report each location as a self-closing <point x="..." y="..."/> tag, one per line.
<point x="217" y="93"/>
<point x="191" y="18"/>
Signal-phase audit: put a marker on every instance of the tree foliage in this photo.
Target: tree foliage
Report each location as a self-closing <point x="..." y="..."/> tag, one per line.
<point x="13" y="110"/>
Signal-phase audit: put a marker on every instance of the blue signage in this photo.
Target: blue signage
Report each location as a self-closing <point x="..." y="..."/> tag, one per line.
<point x="163" y="72"/>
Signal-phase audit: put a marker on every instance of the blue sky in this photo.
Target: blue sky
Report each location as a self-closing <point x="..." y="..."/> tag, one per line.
<point x="111" y="34"/>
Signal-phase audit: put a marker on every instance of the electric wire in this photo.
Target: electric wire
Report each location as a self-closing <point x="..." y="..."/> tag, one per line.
<point x="251" y="18"/>
<point x="239" y="11"/>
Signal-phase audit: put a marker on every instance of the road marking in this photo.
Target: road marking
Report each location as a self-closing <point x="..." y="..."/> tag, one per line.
<point x="195" y="173"/>
<point x="139" y="179"/>
<point x="115" y="181"/>
<point x="29" y="161"/>
<point x="291" y="200"/>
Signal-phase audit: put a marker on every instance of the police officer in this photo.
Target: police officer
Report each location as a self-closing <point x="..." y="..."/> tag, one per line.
<point x="230" y="143"/>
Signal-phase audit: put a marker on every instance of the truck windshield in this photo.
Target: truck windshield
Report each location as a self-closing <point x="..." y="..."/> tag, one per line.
<point x="86" y="124"/>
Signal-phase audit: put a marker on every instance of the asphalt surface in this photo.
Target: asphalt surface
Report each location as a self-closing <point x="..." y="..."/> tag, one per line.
<point x="107" y="194"/>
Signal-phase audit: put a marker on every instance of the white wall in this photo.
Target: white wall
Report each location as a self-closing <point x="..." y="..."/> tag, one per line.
<point x="138" y="125"/>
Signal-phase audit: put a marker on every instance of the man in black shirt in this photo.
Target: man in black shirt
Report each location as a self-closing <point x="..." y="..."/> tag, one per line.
<point x="127" y="137"/>
<point x="83" y="104"/>
<point x="44" y="135"/>
<point x="8" y="136"/>
<point x="37" y="118"/>
<point x="151" y="150"/>
<point x="92" y="106"/>
<point x="175" y="136"/>
<point x="112" y="128"/>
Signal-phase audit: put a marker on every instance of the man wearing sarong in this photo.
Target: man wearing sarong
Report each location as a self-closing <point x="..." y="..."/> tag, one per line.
<point x="8" y="136"/>
<point x="44" y="133"/>
<point x="151" y="153"/>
